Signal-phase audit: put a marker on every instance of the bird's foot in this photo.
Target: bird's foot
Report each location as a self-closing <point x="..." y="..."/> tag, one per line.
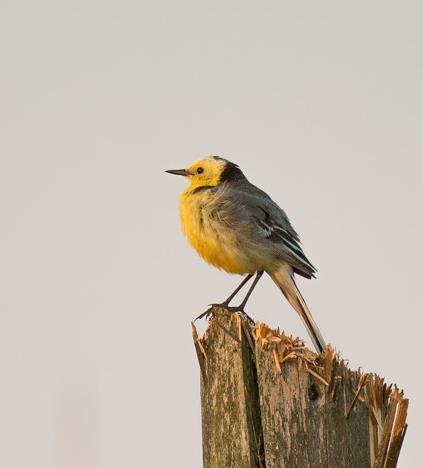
<point x="240" y="310"/>
<point x="235" y="310"/>
<point x="210" y="310"/>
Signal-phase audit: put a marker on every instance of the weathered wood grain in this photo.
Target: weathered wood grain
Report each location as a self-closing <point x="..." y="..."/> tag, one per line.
<point x="267" y="401"/>
<point x="229" y="397"/>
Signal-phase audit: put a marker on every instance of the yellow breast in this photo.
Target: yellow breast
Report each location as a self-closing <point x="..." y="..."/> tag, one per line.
<point x="213" y="241"/>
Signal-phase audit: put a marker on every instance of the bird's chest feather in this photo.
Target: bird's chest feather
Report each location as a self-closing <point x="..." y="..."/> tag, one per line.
<point x="212" y="238"/>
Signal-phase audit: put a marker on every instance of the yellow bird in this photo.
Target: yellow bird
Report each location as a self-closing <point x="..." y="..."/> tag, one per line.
<point x="235" y="226"/>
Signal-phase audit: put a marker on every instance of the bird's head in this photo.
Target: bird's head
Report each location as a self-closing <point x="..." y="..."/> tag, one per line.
<point x="209" y="172"/>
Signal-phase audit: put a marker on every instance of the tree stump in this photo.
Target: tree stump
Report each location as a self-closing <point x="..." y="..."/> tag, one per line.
<point x="268" y="401"/>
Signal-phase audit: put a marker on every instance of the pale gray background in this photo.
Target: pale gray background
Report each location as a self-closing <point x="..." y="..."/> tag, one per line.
<point x="319" y="102"/>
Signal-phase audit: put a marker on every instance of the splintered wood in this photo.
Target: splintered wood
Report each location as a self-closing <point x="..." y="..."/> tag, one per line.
<point x="268" y="401"/>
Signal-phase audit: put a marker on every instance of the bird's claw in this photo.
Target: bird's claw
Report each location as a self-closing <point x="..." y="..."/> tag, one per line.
<point x="236" y="309"/>
<point x="206" y="314"/>
<point x="210" y="310"/>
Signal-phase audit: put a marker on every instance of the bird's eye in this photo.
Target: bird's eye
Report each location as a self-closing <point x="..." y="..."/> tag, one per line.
<point x="200" y="170"/>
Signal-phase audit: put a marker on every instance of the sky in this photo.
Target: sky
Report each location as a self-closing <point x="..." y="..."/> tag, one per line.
<point x="321" y="105"/>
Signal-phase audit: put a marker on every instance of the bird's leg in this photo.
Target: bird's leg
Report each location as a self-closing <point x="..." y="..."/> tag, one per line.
<point x="241" y="307"/>
<point x="226" y="302"/>
<point x="243" y="283"/>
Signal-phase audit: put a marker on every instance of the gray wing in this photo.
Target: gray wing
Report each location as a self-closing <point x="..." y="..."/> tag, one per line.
<point x="268" y="222"/>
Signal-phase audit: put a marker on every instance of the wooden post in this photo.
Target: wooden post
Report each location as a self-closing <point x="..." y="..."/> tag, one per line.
<point x="229" y="396"/>
<point x="267" y="401"/>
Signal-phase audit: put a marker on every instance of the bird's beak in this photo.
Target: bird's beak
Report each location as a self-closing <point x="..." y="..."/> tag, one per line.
<point x="182" y="172"/>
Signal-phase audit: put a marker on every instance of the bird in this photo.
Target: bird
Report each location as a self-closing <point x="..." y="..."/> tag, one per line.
<point x="236" y="227"/>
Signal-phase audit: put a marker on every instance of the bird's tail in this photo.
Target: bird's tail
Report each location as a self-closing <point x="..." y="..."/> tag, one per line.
<point x="284" y="278"/>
